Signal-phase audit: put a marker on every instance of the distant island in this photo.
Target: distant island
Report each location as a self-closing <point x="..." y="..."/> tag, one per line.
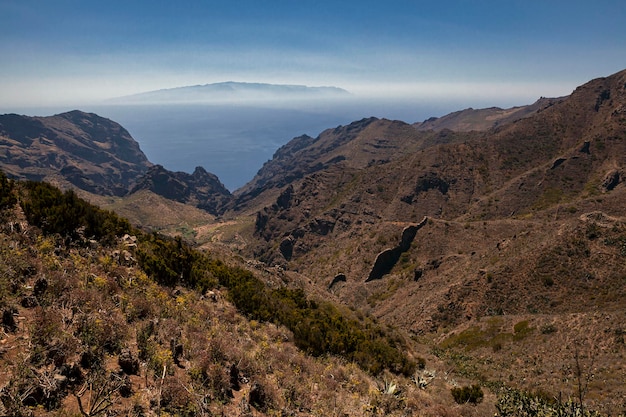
<point x="231" y="91"/>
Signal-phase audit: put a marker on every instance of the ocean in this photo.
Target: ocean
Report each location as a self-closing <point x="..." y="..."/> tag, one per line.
<point x="233" y="141"/>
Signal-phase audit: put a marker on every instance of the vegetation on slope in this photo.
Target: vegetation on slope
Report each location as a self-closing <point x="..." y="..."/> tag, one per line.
<point x="95" y="321"/>
<point x="319" y="327"/>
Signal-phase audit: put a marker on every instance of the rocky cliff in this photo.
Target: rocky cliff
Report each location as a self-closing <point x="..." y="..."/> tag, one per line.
<point x="201" y="188"/>
<point x="83" y="149"/>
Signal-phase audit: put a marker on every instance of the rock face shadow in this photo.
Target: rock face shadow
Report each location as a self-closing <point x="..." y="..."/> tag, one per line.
<point x="387" y="259"/>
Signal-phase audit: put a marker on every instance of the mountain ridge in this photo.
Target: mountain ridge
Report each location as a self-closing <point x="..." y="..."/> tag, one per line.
<point x="88" y="151"/>
<point x="521" y="225"/>
<point x="233" y="91"/>
<point x="498" y="250"/>
<point x="485" y="118"/>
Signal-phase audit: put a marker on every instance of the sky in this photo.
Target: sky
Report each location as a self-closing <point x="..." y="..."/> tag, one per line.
<point x="68" y="52"/>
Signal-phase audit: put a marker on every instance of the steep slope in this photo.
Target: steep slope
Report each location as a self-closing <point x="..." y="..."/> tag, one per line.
<point x="361" y="145"/>
<point x="200" y="189"/>
<point x="436" y="233"/>
<point x="127" y="323"/>
<point x="90" y="152"/>
<point x="99" y="157"/>
<point x="388" y="172"/>
<point x="484" y="119"/>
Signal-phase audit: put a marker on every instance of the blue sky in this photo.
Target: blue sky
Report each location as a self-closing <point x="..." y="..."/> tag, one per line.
<point x="80" y="51"/>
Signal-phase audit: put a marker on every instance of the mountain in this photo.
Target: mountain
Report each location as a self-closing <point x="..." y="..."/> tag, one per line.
<point x="492" y="240"/>
<point x="361" y="145"/>
<point x="200" y="189"/>
<point x="100" y="318"/>
<point x="463" y="237"/>
<point x="99" y="156"/>
<point x="83" y="149"/>
<point x="484" y="119"/>
<point x="232" y="91"/>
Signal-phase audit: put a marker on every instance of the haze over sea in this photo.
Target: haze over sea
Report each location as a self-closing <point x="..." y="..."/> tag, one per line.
<point x="233" y="141"/>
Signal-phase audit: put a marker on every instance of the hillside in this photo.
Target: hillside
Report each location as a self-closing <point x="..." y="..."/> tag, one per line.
<point x="99" y="318"/>
<point x="199" y="189"/>
<point x="97" y="157"/>
<point x="364" y="145"/>
<point x="484" y="119"/>
<point x="458" y="237"/>
<point x="83" y="149"/>
<point x="493" y="253"/>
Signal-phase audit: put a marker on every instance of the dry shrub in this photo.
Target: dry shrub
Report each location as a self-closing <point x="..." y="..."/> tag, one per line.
<point x="47" y="335"/>
<point x="105" y="331"/>
<point x="137" y="307"/>
<point x="215" y="378"/>
<point x="385" y="404"/>
<point x="176" y="399"/>
<point x="216" y="350"/>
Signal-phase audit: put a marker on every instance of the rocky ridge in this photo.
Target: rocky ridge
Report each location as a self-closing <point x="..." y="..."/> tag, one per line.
<point x="508" y="237"/>
<point x="200" y="189"/>
<point x="83" y="149"/>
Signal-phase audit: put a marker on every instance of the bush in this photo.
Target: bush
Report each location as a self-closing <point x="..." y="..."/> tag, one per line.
<point x="7" y="196"/>
<point x="64" y="213"/>
<point x="170" y="261"/>
<point x="469" y="394"/>
<point x="318" y="327"/>
<point x="514" y="403"/>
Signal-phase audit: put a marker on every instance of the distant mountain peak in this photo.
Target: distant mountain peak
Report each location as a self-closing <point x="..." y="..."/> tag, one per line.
<point x="232" y="91"/>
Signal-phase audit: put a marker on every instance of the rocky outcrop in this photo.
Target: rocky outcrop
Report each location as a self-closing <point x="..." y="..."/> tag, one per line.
<point x="286" y="247"/>
<point x="387" y="259"/>
<point x="408" y="234"/>
<point x="611" y="180"/>
<point x="585" y="148"/>
<point x="558" y="162"/>
<point x="202" y="189"/>
<point x="425" y="183"/>
<point x="338" y="278"/>
<point x="284" y="199"/>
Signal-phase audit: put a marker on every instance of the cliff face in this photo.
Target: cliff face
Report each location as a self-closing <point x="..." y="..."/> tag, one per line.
<point x="83" y="149"/>
<point x="201" y="189"/>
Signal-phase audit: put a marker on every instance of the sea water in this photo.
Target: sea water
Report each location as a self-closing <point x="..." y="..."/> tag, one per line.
<point x="233" y="141"/>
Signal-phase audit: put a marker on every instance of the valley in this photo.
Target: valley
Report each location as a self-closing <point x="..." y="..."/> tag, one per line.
<point x="491" y="242"/>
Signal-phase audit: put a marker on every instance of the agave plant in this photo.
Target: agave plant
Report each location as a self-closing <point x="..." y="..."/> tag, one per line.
<point x="390" y="388"/>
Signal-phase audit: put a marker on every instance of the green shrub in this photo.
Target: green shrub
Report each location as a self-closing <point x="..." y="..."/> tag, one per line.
<point x="64" y="213"/>
<point x="7" y="195"/>
<point x="514" y="403"/>
<point x="170" y="261"/>
<point x="318" y="327"/>
<point x="469" y="394"/>
<point x="521" y="330"/>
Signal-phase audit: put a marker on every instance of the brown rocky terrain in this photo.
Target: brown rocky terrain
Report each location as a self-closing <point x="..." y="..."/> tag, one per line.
<point x="200" y="189"/>
<point x="484" y="119"/>
<point x="493" y="240"/>
<point x="521" y="223"/>
<point x="83" y="149"/>
<point x="99" y="157"/>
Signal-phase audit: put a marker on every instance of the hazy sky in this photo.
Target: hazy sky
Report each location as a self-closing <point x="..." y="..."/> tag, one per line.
<point x="78" y="51"/>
